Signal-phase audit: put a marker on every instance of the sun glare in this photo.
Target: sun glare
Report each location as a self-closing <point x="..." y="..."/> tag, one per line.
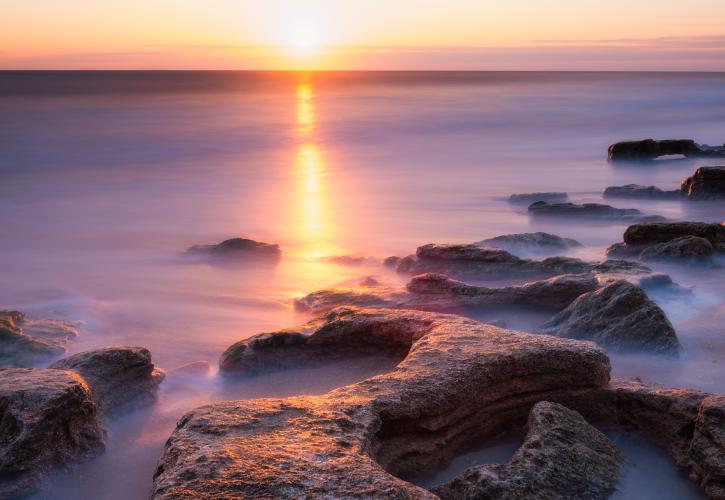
<point x="304" y="37"/>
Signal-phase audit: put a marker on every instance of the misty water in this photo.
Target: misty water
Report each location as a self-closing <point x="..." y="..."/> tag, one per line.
<point x="106" y="178"/>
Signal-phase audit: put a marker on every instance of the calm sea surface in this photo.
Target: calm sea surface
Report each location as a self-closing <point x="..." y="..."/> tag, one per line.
<point x="106" y="178"/>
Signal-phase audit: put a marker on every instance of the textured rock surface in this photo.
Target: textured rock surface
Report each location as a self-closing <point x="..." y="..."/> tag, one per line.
<point x="589" y="211"/>
<point x="530" y="242"/>
<point x="642" y="192"/>
<point x="707" y="183"/>
<point x="688" y="248"/>
<point x="238" y="248"/>
<point x="620" y="317"/>
<point x="528" y="198"/>
<point x="649" y="149"/>
<point x="670" y="240"/>
<point x="28" y="342"/>
<point x="562" y="457"/>
<point x="474" y="261"/>
<point x="437" y="292"/>
<point x="119" y="377"/>
<point x="707" y="450"/>
<point x="461" y="380"/>
<point x="47" y="419"/>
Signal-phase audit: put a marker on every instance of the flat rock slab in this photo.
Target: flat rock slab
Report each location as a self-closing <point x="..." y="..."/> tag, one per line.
<point x="538" y="242"/>
<point x="48" y="419"/>
<point x="460" y="380"/>
<point x="119" y="377"/>
<point x="637" y="191"/>
<point x="619" y="317"/>
<point x="437" y="292"/>
<point x="238" y="248"/>
<point x="594" y="211"/>
<point x="27" y="342"/>
<point x="562" y="457"/>
<point x="649" y="149"/>
<point x="476" y="262"/>
<point x="529" y="198"/>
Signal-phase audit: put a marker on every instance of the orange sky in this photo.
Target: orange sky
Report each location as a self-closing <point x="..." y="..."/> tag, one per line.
<point x="363" y="34"/>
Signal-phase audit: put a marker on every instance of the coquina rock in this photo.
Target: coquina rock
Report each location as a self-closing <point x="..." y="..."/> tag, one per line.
<point x="236" y="248"/>
<point x="460" y="382"/>
<point x="530" y="243"/>
<point x="27" y="342"/>
<point x="589" y="211"/>
<point x="707" y="183"/>
<point x="47" y="419"/>
<point x="618" y="316"/>
<point x="118" y="377"/>
<point x="437" y="292"/>
<point x="562" y="457"/>
<point x="473" y="261"/>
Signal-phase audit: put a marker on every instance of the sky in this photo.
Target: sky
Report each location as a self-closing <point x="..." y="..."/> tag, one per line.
<point x="364" y="34"/>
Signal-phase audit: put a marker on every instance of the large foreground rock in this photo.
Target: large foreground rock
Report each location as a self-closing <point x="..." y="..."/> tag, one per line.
<point x="530" y="243"/>
<point x="707" y="450"/>
<point x="649" y="149"/>
<point x="595" y="211"/>
<point x="562" y="457"/>
<point x="460" y="382"/>
<point x="28" y="342"/>
<point x="707" y="183"/>
<point x="48" y="419"/>
<point x="238" y="248"/>
<point x="119" y="377"/>
<point x="477" y="262"/>
<point x="437" y="292"/>
<point x="620" y="317"/>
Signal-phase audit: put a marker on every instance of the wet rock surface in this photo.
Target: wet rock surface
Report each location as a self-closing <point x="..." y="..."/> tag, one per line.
<point x="589" y="211"/>
<point x="649" y="149"/>
<point x="27" y="342"/>
<point x="48" y="419"/>
<point x="474" y="261"/>
<point x="641" y="192"/>
<point x="618" y="316"/>
<point x="437" y="292"/>
<point x="238" y="248"/>
<point x="460" y="380"/>
<point x="562" y="456"/>
<point x="119" y="378"/>
<point x="707" y="450"/>
<point x="528" y="198"/>
<point x="707" y="183"/>
<point x="530" y="242"/>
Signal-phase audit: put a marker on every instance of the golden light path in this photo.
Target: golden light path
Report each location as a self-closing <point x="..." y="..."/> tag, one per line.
<point x="313" y="226"/>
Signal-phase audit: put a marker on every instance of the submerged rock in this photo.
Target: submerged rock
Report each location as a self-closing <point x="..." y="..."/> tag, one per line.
<point x="437" y="292"/>
<point x="707" y="183"/>
<point x="474" y="261"/>
<point x="649" y="149"/>
<point x="238" y="248"/>
<point x="589" y="211"/>
<point x="460" y="382"/>
<point x="119" y="377"/>
<point x="562" y="457"/>
<point x="48" y="419"/>
<point x="643" y="192"/>
<point x="619" y="317"/>
<point x="26" y="342"/>
<point x="530" y="242"/>
<point x="528" y="198"/>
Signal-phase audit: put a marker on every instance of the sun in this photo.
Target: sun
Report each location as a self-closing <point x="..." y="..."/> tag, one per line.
<point x="304" y="36"/>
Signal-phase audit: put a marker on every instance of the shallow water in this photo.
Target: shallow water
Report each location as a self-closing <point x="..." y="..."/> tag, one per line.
<point x="107" y="178"/>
